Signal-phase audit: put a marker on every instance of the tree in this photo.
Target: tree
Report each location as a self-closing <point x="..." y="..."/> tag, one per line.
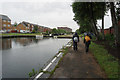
<point x="118" y="19"/>
<point x="47" y="32"/>
<point x="58" y="31"/>
<point x="118" y="10"/>
<point x="33" y="31"/>
<point x="61" y="31"/>
<point x="54" y="31"/>
<point x="87" y="13"/>
<point x="104" y="7"/>
<point x="114" y="22"/>
<point x="15" y="24"/>
<point x="36" y="28"/>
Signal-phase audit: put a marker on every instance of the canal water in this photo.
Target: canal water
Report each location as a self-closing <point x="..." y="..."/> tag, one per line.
<point x="21" y="55"/>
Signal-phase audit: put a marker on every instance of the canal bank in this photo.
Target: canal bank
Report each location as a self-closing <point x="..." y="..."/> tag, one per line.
<point x="77" y="64"/>
<point x="50" y="66"/>
<point x="18" y="36"/>
<point x="34" y="36"/>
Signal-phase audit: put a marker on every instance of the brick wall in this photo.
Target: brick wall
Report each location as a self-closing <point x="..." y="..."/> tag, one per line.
<point x="66" y="29"/>
<point x="21" y="27"/>
<point x="6" y="25"/>
<point x="109" y="31"/>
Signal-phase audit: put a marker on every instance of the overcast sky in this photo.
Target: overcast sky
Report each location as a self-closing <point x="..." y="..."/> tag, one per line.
<point x="49" y="13"/>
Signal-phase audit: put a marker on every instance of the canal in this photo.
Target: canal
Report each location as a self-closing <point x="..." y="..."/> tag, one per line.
<point x="21" y="55"/>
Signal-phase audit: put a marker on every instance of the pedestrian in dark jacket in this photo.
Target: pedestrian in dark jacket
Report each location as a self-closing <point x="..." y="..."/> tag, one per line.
<point x="87" y="41"/>
<point x="75" y="39"/>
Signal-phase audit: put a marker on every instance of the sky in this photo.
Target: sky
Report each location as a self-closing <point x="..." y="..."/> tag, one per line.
<point x="107" y="21"/>
<point x="49" y="13"/>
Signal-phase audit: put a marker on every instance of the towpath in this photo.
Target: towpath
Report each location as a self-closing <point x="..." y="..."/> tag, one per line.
<point x="78" y="64"/>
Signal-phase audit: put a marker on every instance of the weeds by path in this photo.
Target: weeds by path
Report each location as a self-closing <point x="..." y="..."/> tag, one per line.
<point x="109" y="63"/>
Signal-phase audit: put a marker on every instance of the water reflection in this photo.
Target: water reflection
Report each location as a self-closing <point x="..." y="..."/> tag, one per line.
<point x="7" y="43"/>
<point x="0" y="65"/>
<point x="21" y="55"/>
<point x="25" y="41"/>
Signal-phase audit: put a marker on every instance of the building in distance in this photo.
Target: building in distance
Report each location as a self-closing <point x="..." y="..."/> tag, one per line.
<point x="65" y="28"/>
<point x="29" y="27"/>
<point x="5" y="23"/>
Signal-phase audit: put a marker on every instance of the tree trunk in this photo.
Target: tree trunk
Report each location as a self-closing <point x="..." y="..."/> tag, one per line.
<point x="114" y="23"/>
<point x="119" y="33"/>
<point x="93" y="21"/>
<point x="103" y="35"/>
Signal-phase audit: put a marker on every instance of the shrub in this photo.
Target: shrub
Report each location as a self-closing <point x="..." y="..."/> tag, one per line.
<point x="33" y="31"/>
<point x="32" y="73"/>
<point x="100" y="37"/>
<point x="109" y="37"/>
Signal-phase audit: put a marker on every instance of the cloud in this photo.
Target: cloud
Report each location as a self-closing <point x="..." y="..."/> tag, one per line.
<point x="39" y="7"/>
<point x="51" y="14"/>
<point x="37" y="0"/>
<point x="107" y="21"/>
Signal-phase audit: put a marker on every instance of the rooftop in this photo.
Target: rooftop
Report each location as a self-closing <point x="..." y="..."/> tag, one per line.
<point x="4" y="17"/>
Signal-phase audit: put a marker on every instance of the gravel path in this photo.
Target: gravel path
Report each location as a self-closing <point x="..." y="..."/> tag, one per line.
<point x="78" y="64"/>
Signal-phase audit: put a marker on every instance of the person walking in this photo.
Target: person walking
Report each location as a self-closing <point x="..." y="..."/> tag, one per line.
<point x="75" y="39"/>
<point x="87" y="41"/>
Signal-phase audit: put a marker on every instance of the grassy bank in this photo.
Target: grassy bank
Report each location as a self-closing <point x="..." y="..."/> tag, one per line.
<point x="5" y="34"/>
<point x="10" y="34"/>
<point x="107" y="62"/>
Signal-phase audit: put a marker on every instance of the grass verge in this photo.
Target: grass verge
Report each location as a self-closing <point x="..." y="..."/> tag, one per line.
<point x="5" y="34"/>
<point x="107" y="62"/>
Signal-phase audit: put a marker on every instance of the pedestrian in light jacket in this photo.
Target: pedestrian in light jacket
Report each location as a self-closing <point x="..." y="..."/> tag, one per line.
<point x="75" y="39"/>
